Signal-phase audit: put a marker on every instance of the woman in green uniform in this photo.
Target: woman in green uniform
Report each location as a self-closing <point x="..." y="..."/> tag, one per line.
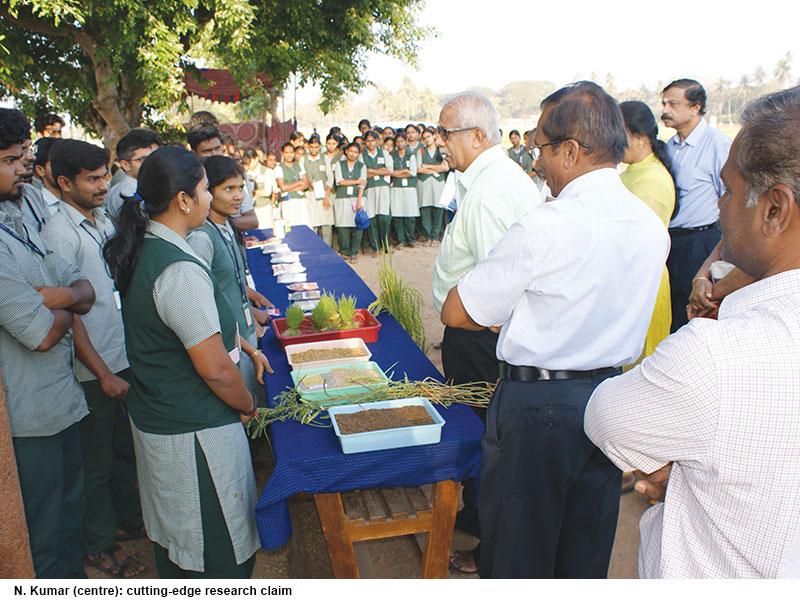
<point x="517" y="152"/>
<point x="378" y="198"/>
<point x="350" y="178"/>
<point x="317" y="172"/>
<point x="216" y="242"/>
<point x="431" y="176"/>
<point x="405" y="207"/>
<point x="292" y="183"/>
<point x="187" y="400"/>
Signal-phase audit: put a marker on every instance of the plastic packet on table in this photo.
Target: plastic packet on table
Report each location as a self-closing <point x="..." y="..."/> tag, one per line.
<point x="307" y="305"/>
<point x="288" y="268"/>
<point x="291" y="277"/>
<point x="303" y="287"/>
<point x="309" y="295"/>
<point x="274" y="247"/>
<point x="285" y="257"/>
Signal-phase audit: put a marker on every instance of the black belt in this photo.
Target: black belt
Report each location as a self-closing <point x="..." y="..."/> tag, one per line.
<point x="681" y="231"/>
<point x="528" y="374"/>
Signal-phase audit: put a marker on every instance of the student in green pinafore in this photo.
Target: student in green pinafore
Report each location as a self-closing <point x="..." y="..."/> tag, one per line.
<point x="431" y="175"/>
<point x="217" y="243"/>
<point x="317" y="170"/>
<point x="405" y="207"/>
<point x="378" y="197"/>
<point x="350" y="179"/>
<point x="187" y="400"/>
<point x="292" y="183"/>
<point x="518" y="153"/>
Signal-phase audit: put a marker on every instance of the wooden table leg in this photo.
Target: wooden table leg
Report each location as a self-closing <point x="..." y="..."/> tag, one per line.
<point x="437" y="550"/>
<point x="337" y="536"/>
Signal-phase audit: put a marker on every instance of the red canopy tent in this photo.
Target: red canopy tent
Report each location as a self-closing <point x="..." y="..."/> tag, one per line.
<point x="218" y="85"/>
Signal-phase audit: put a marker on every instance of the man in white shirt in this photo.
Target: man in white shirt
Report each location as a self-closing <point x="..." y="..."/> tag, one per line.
<point x="713" y="414"/>
<point x="572" y="285"/>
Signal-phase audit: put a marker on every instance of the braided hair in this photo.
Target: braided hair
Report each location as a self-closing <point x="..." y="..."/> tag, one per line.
<point x="639" y="120"/>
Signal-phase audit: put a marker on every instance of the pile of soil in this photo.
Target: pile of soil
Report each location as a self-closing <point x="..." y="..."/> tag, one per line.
<point x="376" y="419"/>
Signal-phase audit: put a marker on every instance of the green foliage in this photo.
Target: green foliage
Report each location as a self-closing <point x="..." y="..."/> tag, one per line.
<point x="114" y="64"/>
<point x="347" y="311"/>
<point x="325" y="314"/>
<point x="327" y="43"/>
<point x="402" y="301"/>
<point x="294" y="317"/>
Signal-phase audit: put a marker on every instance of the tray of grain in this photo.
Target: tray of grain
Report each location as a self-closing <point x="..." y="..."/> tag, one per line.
<point x="325" y="354"/>
<point x="403" y="422"/>
<point x="325" y="386"/>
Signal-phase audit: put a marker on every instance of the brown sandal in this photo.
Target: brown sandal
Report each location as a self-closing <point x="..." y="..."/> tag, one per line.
<point x="127" y="569"/>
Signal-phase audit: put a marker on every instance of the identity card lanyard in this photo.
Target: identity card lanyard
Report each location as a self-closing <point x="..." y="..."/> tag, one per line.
<point x="27" y="242"/>
<point x="242" y="288"/>
<point x="117" y="297"/>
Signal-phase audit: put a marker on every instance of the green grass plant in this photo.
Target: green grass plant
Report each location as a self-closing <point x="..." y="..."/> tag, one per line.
<point x="401" y="300"/>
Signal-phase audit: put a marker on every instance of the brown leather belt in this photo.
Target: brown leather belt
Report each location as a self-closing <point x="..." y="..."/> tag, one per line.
<point x="528" y="374"/>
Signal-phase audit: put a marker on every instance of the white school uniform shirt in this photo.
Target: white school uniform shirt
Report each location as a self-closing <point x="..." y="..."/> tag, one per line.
<point x="720" y="399"/>
<point x="573" y="282"/>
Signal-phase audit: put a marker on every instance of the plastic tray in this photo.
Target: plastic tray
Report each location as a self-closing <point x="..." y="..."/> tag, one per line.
<point x="293" y="349"/>
<point x="330" y="396"/>
<point x="368" y="332"/>
<point x="384" y="439"/>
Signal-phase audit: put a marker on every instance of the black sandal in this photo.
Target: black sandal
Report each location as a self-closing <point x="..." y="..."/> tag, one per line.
<point x="457" y="556"/>
<point x="117" y="569"/>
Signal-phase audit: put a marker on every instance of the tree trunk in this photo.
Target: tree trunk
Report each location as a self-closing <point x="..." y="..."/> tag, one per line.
<point x="15" y="552"/>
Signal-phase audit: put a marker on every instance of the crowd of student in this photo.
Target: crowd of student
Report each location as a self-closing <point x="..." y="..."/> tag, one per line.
<point x="396" y="176"/>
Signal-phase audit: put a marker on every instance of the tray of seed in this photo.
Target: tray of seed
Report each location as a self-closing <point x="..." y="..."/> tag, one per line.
<point x="327" y="354"/>
<point x="326" y="386"/>
<point x="386" y="424"/>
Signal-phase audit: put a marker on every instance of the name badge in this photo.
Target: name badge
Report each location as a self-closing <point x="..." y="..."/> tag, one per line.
<point x="376" y="177"/>
<point x="322" y="168"/>
<point x="404" y="182"/>
<point x="248" y="315"/>
<point x="117" y="300"/>
<point x="250" y="282"/>
<point x="349" y="190"/>
<point x="234" y="354"/>
<point x="381" y="160"/>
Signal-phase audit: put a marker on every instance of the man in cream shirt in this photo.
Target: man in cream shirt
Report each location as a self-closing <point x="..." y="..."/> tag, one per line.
<point x="494" y="194"/>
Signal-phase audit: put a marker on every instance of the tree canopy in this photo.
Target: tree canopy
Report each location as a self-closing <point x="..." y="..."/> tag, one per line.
<point x="114" y="64"/>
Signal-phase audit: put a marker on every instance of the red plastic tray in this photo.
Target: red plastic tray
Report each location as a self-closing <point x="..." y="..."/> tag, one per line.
<point x="368" y="332"/>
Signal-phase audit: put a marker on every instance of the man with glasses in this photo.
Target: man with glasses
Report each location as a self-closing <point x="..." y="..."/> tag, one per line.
<point x="132" y="149"/>
<point x="572" y="285"/>
<point x="494" y="194"/>
<point x="697" y="152"/>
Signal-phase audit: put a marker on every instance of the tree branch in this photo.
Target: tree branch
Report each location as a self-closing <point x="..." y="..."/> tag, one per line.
<point x="33" y="24"/>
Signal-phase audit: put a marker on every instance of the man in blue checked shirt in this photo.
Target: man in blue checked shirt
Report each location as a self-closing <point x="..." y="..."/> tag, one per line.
<point x="39" y="294"/>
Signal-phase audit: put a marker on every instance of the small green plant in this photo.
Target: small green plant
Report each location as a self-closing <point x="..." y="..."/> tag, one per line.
<point x="294" y="317"/>
<point x="347" y="312"/>
<point x="325" y="315"/>
<point x="402" y="301"/>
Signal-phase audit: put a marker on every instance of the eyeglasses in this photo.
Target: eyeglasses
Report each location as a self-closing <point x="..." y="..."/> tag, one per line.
<point x="443" y="133"/>
<point x="536" y="151"/>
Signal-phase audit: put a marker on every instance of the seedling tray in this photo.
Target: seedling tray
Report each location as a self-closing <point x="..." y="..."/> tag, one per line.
<point x="367" y="332"/>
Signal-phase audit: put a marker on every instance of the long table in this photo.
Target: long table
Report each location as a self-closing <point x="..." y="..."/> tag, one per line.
<point x="309" y="459"/>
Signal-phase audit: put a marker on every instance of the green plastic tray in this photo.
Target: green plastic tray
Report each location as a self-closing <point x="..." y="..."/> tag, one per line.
<point x="333" y="396"/>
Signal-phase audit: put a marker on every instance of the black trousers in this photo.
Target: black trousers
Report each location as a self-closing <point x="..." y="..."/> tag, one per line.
<point x="686" y="255"/>
<point x="549" y="497"/>
<point x="469" y="356"/>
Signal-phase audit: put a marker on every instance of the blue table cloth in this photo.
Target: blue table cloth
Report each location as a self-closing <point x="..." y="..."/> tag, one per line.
<point x="309" y="459"/>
